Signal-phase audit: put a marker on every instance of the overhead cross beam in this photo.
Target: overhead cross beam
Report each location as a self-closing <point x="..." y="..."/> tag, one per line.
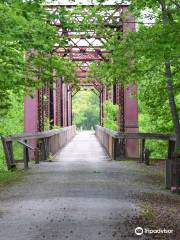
<point x="86" y="46"/>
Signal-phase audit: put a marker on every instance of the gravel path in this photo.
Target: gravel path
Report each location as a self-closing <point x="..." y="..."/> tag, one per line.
<point x="81" y="195"/>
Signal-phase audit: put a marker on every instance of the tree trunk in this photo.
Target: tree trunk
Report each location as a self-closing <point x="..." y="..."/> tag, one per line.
<point x="175" y="174"/>
<point x="172" y="103"/>
<point x="169" y="82"/>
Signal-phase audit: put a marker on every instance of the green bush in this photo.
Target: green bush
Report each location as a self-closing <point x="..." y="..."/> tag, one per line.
<point x="110" y="115"/>
<point x="11" y="123"/>
<point x="159" y="148"/>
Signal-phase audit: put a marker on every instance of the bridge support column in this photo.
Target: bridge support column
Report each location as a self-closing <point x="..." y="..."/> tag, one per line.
<point x="31" y="117"/>
<point x="31" y="113"/>
<point x="101" y="108"/>
<point x="63" y="105"/>
<point x="126" y="99"/>
<point x="131" y="120"/>
<point x="57" y="103"/>
<point x="129" y="106"/>
<point x="69" y="106"/>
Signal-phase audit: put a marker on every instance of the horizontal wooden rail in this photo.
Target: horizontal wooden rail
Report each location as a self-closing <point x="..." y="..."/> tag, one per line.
<point x="45" y="144"/>
<point x="125" y="135"/>
<point x="27" y="145"/>
<point x="37" y="135"/>
<point x="113" y="142"/>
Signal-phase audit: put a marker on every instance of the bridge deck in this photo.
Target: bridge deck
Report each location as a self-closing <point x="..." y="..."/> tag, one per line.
<point x="82" y="195"/>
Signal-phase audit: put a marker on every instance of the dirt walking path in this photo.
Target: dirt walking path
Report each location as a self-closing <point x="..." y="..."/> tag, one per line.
<point x="81" y="195"/>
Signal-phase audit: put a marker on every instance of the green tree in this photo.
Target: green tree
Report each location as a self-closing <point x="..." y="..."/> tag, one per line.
<point x="12" y="122"/>
<point x="85" y="109"/>
<point x="110" y="115"/>
<point x="27" y="41"/>
<point x="27" y="59"/>
<point x="149" y="53"/>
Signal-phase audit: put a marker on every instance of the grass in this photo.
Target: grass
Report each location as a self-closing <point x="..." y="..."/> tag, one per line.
<point x="8" y="177"/>
<point x="148" y="212"/>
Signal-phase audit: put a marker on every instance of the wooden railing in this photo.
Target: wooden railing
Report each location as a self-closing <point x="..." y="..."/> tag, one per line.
<point x="112" y="141"/>
<point x="42" y="144"/>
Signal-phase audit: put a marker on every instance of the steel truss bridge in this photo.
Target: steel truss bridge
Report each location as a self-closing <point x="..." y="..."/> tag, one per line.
<point x="84" y="47"/>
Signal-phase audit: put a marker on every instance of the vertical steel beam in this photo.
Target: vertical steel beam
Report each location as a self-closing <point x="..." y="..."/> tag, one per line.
<point x="100" y="110"/>
<point x="55" y="103"/>
<point x="65" y="105"/>
<point x="31" y="117"/>
<point x="31" y="113"/>
<point x="131" y="119"/>
<point x="58" y="102"/>
<point x="131" y="101"/>
<point x="69" y="106"/>
<point x="52" y="110"/>
<point x="71" y="109"/>
<point x="114" y="95"/>
<point x="61" y="102"/>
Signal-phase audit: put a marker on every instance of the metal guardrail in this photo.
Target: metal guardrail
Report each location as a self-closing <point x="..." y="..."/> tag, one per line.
<point x="113" y="141"/>
<point x="45" y="144"/>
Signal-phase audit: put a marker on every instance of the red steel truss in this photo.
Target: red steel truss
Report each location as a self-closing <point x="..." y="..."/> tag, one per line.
<point x="85" y="47"/>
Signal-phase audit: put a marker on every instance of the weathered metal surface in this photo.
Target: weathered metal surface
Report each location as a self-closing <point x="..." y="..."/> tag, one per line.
<point x="31" y="113"/>
<point x="131" y="119"/>
<point x="87" y="46"/>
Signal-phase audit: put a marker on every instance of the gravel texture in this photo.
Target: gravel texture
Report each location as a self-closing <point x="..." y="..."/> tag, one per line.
<point x="80" y="195"/>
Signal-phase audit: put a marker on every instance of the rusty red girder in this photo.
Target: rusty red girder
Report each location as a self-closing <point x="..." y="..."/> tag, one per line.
<point x="52" y="105"/>
<point x="86" y="46"/>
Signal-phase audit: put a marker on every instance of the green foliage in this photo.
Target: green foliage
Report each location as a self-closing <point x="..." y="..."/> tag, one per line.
<point x="85" y="109"/>
<point x="10" y="177"/>
<point x="158" y="148"/>
<point x="154" y="111"/>
<point x="26" y="44"/>
<point x="47" y="124"/>
<point x="110" y="115"/>
<point x="27" y="61"/>
<point x="12" y="123"/>
<point x="140" y="57"/>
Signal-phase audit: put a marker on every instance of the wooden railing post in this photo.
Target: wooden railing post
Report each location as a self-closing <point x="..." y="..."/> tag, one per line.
<point x="47" y="150"/>
<point x="114" y="157"/>
<point x="176" y="173"/>
<point x="8" y="150"/>
<point x="26" y="156"/>
<point x="142" y="146"/>
<point x="50" y="142"/>
<point x="43" y="150"/>
<point x="169" y="165"/>
<point x="37" y="156"/>
<point x="118" y="150"/>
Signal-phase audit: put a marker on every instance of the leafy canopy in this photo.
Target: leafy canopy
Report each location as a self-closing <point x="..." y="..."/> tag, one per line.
<point x="27" y="40"/>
